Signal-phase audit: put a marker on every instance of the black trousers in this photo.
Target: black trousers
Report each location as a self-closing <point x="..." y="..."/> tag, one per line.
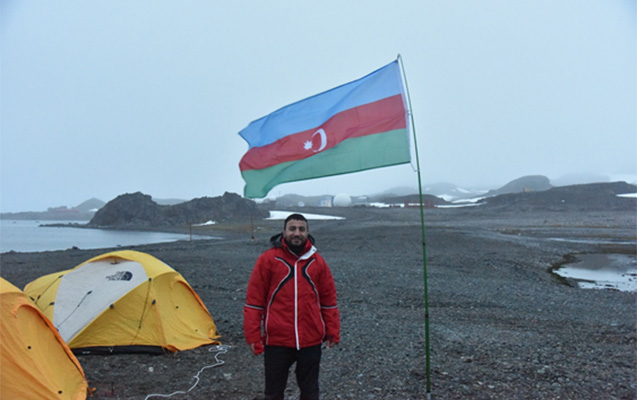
<point x="278" y="361"/>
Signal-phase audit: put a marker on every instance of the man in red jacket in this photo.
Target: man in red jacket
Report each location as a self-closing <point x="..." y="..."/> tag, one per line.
<point x="291" y="310"/>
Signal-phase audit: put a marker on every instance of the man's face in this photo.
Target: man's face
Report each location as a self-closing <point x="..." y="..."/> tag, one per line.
<point x="295" y="232"/>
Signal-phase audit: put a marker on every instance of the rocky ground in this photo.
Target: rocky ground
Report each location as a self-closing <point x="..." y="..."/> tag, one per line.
<point x="501" y="325"/>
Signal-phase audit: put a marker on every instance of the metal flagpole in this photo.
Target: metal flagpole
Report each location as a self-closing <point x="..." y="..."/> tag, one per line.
<point x="422" y="224"/>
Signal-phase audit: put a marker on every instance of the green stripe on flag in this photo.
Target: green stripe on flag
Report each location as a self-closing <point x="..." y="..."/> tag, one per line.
<point x="352" y="155"/>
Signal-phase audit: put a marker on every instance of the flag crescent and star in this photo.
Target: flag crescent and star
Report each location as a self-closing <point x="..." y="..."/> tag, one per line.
<point x="354" y="127"/>
<point x="309" y="145"/>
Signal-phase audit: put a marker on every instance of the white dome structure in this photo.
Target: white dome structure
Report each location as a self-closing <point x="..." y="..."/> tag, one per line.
<point x="342" y="200"/>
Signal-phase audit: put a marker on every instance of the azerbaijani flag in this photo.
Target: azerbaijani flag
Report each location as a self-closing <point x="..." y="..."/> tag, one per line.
<point x="354" y="127"/>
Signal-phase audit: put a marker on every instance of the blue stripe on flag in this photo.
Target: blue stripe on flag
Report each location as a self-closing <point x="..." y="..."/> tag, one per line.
<point x="315" y="110"/>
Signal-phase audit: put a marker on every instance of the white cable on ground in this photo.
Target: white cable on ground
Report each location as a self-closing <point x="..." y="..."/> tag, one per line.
<point x="220" y="349"/>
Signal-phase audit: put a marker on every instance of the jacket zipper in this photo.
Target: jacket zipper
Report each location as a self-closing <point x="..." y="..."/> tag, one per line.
<point x="296" y="305"/>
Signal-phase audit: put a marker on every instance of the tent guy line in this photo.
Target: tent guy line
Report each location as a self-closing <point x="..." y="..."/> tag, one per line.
<point x="218" y="349"/>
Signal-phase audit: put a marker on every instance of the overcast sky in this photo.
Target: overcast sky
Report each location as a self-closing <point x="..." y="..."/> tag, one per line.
<point x="102" y="98"/>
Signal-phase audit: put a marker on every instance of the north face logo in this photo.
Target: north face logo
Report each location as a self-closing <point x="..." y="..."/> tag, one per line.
<point x="120" y="276"/>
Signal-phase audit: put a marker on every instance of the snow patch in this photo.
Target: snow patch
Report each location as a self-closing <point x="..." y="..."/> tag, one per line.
<point x="211" y="222"/>
<point x="281" y="215"/>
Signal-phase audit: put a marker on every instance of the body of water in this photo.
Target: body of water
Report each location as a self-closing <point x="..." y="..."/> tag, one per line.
<point x="603" y="271"/>
<point x="29" y="236"/>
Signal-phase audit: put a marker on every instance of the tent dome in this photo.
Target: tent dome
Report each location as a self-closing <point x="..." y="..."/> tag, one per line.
<point x="124" y="301"/>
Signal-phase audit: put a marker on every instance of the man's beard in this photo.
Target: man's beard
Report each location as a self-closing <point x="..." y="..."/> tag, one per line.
<point x="297" y="249"/>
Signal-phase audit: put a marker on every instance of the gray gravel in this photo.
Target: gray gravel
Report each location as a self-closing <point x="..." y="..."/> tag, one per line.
<point x="501" y="325"/>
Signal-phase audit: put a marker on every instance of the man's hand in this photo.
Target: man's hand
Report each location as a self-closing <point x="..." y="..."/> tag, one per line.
<point x="329" y="344"/>
<point x="257" y="348"/>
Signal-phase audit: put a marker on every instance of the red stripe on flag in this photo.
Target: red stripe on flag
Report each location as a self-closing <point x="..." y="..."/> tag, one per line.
<point x="377" y="117"/>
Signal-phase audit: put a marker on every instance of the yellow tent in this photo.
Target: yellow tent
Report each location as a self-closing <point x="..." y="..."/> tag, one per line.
<point x="124" y="301"/>
<point x="35" y="363"/>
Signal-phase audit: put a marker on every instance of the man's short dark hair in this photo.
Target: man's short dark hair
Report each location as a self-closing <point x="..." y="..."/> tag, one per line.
<point x="296" y="217"/>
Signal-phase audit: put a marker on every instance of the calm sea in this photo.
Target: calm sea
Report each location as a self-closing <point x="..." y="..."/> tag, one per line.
<point x="29" y="236"/>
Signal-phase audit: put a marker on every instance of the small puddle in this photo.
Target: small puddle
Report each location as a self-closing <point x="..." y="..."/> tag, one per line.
<point x="602" y="271"/>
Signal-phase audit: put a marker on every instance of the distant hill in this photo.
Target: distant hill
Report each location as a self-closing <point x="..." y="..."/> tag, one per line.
<point x="427" y="200"/>
<point x="444" y="190"/>
<point x="295" y="200"/>
<point x="588" y="197"/>
<point x="82" y="212"/>
<point x="581" y="179"/>
<point x="396" y="191"/>
<point x="438" y="193"/>
<point x="90" y="205"/>
<point x="451" y="192"/>
<point x="531" y="183"/>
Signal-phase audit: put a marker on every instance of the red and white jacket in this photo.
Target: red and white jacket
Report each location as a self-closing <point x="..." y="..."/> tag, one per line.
<point x="291" y="300"/>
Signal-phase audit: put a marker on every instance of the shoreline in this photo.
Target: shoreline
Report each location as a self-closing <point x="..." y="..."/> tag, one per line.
<point x="33" y="236"/>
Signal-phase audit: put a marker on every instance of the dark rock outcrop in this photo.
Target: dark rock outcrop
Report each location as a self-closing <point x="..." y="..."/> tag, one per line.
<point x="139" y="210"/>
